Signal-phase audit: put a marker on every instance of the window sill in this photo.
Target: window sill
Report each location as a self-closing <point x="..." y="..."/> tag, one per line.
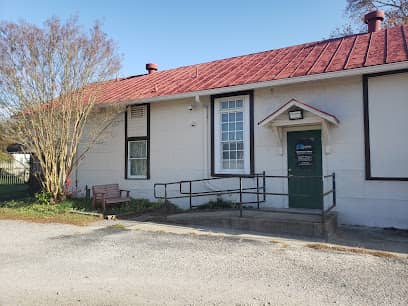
<point x="138" y="178"/>
<point x="232" y="174"/>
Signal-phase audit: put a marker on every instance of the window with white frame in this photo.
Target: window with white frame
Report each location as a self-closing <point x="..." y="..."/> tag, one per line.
<point x="231" y="135"/>
<point x="137" y="158"/>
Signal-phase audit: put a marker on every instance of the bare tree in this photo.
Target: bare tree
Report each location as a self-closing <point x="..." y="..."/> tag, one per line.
<point x="50" y="80"/>
<point x="395" y="11"/>
<point x="4" y="142"/>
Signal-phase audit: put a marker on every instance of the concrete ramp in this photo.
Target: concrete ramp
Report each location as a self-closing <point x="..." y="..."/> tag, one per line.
<point x="261" y="221"/>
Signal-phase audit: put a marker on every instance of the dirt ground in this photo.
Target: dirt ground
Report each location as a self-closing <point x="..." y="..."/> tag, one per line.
<point x="132" y="263"/>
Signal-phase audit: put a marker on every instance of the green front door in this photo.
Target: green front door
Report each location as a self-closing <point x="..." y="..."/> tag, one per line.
<point x="305" y="185"/>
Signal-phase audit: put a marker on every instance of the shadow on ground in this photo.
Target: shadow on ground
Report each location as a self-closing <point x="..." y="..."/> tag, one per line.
<point x="94" y="235"/>
<point x="389" y="240"/>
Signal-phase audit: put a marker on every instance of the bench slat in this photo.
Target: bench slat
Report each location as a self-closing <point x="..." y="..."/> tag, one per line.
<point x="117" y="200"/>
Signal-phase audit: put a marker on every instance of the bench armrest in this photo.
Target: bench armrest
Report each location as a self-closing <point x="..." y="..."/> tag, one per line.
<point x="124" y="190"/>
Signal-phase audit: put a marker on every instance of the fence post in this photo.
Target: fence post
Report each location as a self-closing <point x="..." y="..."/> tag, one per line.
<point x="191" y="207"/>
<point x="240" y="196"/>
<point x="334" y="188"/>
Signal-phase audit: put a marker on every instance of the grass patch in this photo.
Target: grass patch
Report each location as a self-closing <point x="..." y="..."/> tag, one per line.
<point x="30" y="210"/>
<point x="338" y="248"/>
<point x="118" y="226"/>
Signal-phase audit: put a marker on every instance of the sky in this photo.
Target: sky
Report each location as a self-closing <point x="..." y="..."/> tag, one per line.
<point x="180" y="32"/>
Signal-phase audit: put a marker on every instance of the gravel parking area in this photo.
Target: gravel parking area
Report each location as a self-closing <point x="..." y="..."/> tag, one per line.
<point x="54" y="264"/>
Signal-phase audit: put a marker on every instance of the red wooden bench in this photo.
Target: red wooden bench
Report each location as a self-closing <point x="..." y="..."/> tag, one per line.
<point x="108" y="195"/>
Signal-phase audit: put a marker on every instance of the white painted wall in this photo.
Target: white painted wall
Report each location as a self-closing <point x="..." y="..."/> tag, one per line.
<point x="180" y="151"/>
<point x="373" y="203"/>
<point x="388" y="112"/>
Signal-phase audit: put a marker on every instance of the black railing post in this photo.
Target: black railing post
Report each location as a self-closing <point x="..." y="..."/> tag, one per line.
<point x="257" y="190"/>
<point x="334" y="188"/>
<point x="264" y="185"/>
<point x="191" y="207"/>
<point x="323" y="212"/>
<point x="165" y="198"/>
<point x="240" y="196"/>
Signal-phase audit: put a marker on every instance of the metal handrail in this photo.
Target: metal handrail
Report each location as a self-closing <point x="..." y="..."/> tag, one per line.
<point x="259" y="190"/>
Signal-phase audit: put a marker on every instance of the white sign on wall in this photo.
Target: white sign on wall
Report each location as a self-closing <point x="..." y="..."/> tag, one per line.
<point x="388" y="125"/>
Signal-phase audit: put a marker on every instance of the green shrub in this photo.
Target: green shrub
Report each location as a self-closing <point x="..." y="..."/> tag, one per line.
<point x="217" y="204"/>
<point x="43" y="198"/>
<point x="79" y="204"/>
<point x="136" y="205"/>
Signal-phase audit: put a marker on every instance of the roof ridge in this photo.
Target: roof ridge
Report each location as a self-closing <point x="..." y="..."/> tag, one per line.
<point x="304" y="45"/>
<point x="328" y="55"/>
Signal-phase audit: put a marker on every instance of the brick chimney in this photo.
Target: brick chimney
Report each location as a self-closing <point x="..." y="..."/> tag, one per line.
<point x="151" y="67"/>
<point x="373" y="20"/>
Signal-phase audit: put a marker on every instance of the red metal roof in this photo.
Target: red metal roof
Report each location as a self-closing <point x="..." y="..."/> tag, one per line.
<point x="344" y="53"/>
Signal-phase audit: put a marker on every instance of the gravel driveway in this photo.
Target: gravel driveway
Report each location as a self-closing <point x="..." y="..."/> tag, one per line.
<point x="52" y="264"/>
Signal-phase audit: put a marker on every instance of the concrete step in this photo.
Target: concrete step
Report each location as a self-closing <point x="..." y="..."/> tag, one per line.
<point x="261" y="221"/>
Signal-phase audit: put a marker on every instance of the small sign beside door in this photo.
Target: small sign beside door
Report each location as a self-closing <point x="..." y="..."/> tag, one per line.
<point x="304" y="152"/>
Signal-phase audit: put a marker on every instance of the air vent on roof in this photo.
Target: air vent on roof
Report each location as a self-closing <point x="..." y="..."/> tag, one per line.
<point x="374" y="20"/>
<point x="137" y="111"/>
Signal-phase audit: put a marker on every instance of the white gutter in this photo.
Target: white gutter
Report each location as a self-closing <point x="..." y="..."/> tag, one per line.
<point x="314" y="77"/>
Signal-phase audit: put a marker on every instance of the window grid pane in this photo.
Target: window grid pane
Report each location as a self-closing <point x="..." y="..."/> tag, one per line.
<point x="137" y="149"/>
<point x="232" y="132"/>
<point x="138" y="167"/>
<point x="137" y="158"/>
